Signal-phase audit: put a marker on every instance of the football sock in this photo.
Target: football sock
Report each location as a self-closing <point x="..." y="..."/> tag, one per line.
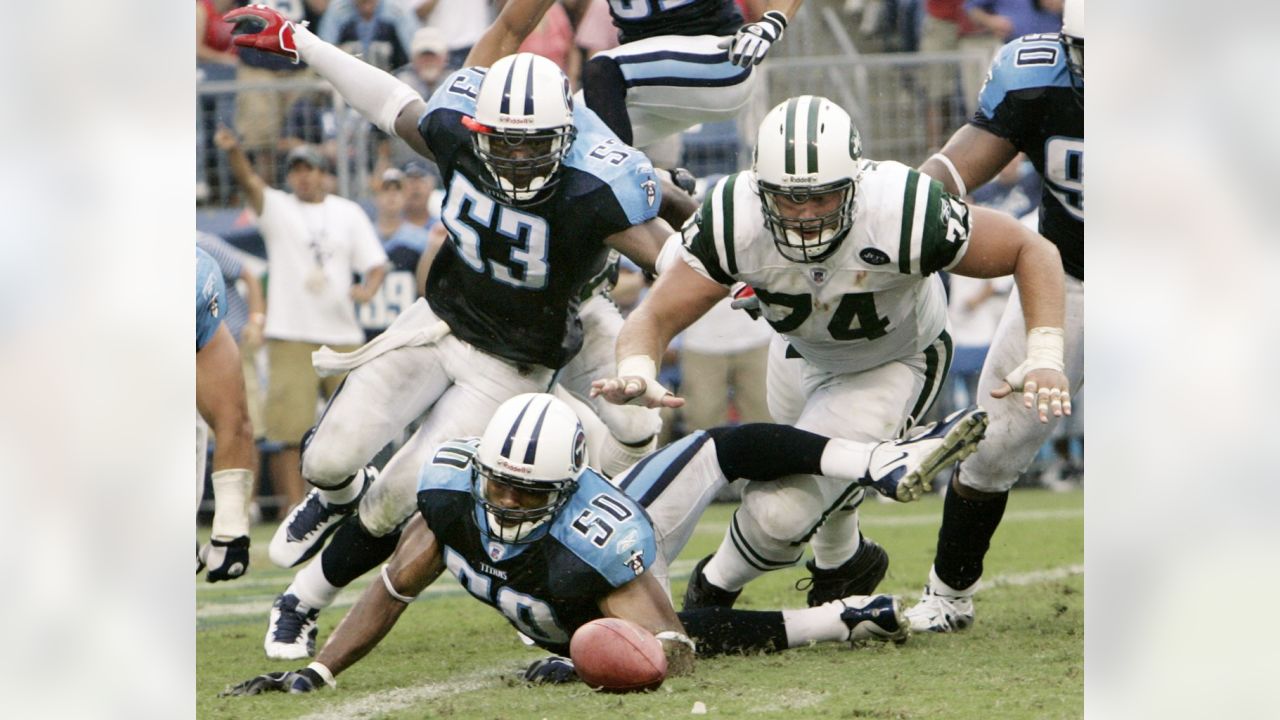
<point x="965" y="536"/>
<point x="845" y="459"/>
<point x="837" y="540"/>
<point x="311" y="587"/>
<point x="718" y="630"/>
<point x="605" y="91"/>
<point x="763" y="451"/>
<point x="815" y="624"/>
<point x="747" y="553"/>
<point x="345" y="493"/>
<point x="353" y="552"/>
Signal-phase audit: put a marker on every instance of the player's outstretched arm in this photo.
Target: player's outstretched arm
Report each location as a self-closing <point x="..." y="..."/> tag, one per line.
<point x="1000" y="245"/>
<point x="517" y="19"/>
<point x="680" y="296"/>
<point x="643" y="601"/>
<point x="971" y="157"/>
<point x="416" y="563"/>
<point x="381" y="98"/>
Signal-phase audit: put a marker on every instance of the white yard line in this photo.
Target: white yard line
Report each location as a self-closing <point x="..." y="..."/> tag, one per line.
<point x="379" y="704"/>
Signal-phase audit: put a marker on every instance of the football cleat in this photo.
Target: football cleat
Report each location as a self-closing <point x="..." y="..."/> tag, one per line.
<point x="304" y="532"/>
<point x="941" y="609"/>
<point x="291" y="632"/>
<point x="859" y="575"/>
<point x="875" y="617"/>
<point x="700" y="593"/>
<point x="904" y="469"/>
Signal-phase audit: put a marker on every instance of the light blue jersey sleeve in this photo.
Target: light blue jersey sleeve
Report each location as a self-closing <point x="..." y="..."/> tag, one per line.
<point x="606" y="530"/>
<point x="211" y="298"/>
<point x="449" y="467"/>
<point x="1031" y="61"/>
<point x="627" y="171"/>
<point x="457" y="92"/>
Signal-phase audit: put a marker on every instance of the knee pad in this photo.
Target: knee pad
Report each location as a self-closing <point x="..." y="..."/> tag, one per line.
<point x="784" y="511"/>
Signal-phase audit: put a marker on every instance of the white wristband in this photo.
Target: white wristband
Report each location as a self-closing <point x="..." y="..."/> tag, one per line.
<point x="232" y="491"/>
<point x="641" y="366"/>
<point x="386" y="580"/>
<point x="324" y="674"/>
<point x="677" y="637"/>
<point x="961" y="190"/>
<point x="1044" y="351"/>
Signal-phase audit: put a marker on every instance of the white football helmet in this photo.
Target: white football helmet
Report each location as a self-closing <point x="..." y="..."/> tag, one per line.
<point x="807" y="147"/>
<point x="530" y="457"/>
<point x="1073" y="37"/>
<point x="523" y="126"/>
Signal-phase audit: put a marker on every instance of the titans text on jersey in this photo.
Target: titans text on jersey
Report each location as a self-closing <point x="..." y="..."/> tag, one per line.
<point x="1028" y="100"/>
<point x="548" y="588"/>
<point x="509" y="279"/>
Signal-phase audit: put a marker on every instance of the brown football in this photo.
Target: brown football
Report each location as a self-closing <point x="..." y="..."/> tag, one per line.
<point x="616" y="655"/>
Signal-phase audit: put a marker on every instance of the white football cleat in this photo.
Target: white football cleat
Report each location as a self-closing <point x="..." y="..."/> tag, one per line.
<point x="904" y="469"/>
<point x="875" y="617"/>
<point x="291" y="632"/>
<point x="942" y="609"/>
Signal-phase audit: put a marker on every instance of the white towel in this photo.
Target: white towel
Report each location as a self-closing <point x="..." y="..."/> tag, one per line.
<point x="415" y="326"/>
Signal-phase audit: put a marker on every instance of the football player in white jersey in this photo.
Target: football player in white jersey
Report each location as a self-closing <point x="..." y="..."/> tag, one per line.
<point x="842" y="253"/>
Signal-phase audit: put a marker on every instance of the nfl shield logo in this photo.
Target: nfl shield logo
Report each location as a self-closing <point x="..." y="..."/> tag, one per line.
<point x="819" y="275"/>
<point x="495" y="550"/>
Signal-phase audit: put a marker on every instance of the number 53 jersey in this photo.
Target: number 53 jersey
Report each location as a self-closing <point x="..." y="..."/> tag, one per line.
<point x="875" y="299"/>
<point x="508" y="280"/>
<point x="600" y="540"/>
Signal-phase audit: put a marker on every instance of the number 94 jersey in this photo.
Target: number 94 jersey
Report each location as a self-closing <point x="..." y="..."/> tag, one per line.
<point x="600" y="540"/>
<point x="1028" y="100"/>
<point x="508" y="280"/>
<point x="875" y="299"/>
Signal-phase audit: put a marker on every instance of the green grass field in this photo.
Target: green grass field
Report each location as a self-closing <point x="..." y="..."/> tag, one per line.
<point x="451" y="656"/>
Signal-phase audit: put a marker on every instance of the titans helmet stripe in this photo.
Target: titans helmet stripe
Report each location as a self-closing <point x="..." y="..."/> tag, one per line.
<point x="511" y="434"/>
<point x="528" y="90"/>
<point x="531" y="451"/>
<point x="505" y="106"/>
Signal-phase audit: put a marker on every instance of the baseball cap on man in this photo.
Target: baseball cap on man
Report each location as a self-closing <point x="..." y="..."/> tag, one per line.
<point x="428" y="39"/>
<point x="392" y="175"/>
<point x="304" y="154"/>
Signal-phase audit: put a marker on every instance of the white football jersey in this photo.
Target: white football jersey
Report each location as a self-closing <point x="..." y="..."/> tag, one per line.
<point x="875" y="299"/>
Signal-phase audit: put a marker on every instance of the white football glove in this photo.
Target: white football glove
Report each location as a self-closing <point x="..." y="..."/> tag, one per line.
<point x="753" y="40"/>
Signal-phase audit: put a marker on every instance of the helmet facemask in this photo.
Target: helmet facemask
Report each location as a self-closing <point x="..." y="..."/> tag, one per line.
<point x="518" y="525"/>
<point x="807" y="239"/>
<point x="522" y="163"/>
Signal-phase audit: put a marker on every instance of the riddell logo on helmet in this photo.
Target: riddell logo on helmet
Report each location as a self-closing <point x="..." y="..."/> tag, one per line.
<point x="522" y="469"/>
<point x="516" y="119"/>
<point x="800" y="178"/>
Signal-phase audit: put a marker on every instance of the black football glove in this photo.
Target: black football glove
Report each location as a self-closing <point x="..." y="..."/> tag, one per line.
<point x="551" y="670"/>
<point x="294" y="681"/>
<point x="227" y="559"/>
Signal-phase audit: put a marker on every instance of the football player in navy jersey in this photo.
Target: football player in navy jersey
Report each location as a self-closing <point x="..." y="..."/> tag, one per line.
<point x="527" y="528"/>
<point x="220" y="399"/>
<point x="681" y="62"/>
<point x="537" y="192"/>
<point x="1032" y="102"/>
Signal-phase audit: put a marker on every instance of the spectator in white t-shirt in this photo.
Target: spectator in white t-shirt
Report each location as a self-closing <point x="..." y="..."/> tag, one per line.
<point x="315" y="243"/>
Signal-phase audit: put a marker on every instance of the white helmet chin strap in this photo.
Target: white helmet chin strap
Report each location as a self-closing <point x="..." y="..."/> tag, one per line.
<point x="528" y="193"/>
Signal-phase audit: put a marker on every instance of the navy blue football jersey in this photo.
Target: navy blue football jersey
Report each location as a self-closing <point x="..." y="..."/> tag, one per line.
<point x="600" y="540"/>
<point x="508" y="280"/>
<point x="639" y="19"/>
<point x="1028" y="100"/>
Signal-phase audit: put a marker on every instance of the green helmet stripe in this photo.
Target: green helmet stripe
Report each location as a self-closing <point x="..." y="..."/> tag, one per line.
<point x="789" y="137"/>
<point x="813" y="134"/>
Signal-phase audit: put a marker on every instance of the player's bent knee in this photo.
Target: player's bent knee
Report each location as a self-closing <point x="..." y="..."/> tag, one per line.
<point x="327" y="465"/>
<point x="631" y="424"/>
<point x="781" y="517"/>
<point x="987" y="480"/>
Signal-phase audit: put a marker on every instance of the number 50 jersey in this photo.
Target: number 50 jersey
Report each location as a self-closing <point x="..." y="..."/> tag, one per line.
<point x="600" y="540"/>
<point x="875" y="299"/>
<point x="508" y="280"/>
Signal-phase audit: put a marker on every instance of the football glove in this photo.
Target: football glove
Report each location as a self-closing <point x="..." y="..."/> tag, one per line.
<point x="262" y="28"/>
<point x="551" y="670"/>
<point x="295" y="681"/>
<point x="744" y="298"/>
<point x="226" y="559"/>
<point x="752" y="41"/>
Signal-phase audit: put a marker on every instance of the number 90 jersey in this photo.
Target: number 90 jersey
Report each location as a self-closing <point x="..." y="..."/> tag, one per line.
<point x="873" y="299"/>
<point x="1028" y="100"/>
<point x="600" y="540"/>
<point x="508" y="280"/>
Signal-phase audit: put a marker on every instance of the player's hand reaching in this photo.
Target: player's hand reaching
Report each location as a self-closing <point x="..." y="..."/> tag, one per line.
<point x="226" y="559"/>
<point x="551" y="670"/>
<point x="304" y="680"/>
<point x="1045" y="391"/>
<point x="753" y="40"/>
<point x="744" y="299"/>
<point x="262" y="28"/>
<point x="635" y="390"/>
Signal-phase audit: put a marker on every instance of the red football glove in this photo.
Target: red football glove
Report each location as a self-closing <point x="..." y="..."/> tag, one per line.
<point x="744" y="298"/>
<point x="262" y="28"/>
